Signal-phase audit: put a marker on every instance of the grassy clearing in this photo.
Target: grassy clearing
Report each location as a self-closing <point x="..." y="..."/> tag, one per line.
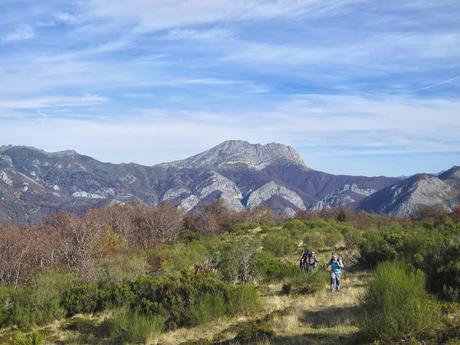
<point x="320" y="318"/>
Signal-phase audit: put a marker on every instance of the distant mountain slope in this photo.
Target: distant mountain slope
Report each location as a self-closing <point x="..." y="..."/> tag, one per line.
<point x="35" y="183"/>
<point x="407" y="196"/>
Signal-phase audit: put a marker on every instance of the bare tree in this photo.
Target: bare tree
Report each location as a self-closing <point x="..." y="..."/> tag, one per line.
<point x="15" y="248"/>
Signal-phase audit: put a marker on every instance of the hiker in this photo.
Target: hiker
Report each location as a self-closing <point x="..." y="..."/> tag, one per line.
<point x="312" y="261"/>
<point x="336" y="271"/>
<point x="303" y="260"/>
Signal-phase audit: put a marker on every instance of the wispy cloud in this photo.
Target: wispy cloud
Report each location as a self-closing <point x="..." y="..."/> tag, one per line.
<point x="333" y="78"/>
<point x="159" y="15"/>
<point x="442" y="82"/>
<point x="21" y="33"/>
<point x="211" y="34"/>
<point x="51" y="102"/>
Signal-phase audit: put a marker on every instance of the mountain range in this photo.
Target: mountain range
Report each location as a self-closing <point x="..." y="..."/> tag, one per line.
<point x="35" y="183"/>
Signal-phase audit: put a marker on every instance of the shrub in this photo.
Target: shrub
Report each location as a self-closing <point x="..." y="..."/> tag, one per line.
<point x="315" y="239"/>
<point x="353" y="237"/>
<point x="295" y="228"/>
<point x="185" y="301"/>
<point x="270" y="268"/>
<point x="307" y="282"/>
<point x="279" y="243"/>
<point x="243" y="300"/>
<point x="31" y="339"/>
<point x="36" y="304"/>
<point x="81" y="299"/>
<point x="236" y="261"/>
<point x="444" y="272"/>
<point x="431" y="248"/>
<point x="208" y="308"/>
<point x="131" y="327"/>
<point x="396" y="306"/>
<point x="375" y="249"/>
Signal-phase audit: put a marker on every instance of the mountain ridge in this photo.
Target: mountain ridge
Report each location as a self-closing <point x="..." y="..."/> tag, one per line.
<point x="35" y="183"/>
<point x="238" y="152"/>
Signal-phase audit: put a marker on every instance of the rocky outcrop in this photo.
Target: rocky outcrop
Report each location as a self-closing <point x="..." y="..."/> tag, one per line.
<point x="234" y="153"/>
<point x="228" y="190"/>
<point x="270" y="190"/>
<point x="343" y="196"/>
<point x="408" y="196"/>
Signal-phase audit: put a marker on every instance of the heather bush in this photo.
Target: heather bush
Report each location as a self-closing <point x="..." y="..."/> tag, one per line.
<point x="244" y="300"/>
<point x="235" y="261"/>
<point x="431" y="248"/>
<point x="36" y="304"/>
<point x="279" y="243"/>
<point x="186" y="299"/>
<point x="208" y="307"/>
<point x="396" y="305"/>
<point x="306" y="283"/>
<point x="126" y="327"/>
<point x="270" y="268"/>
<point x="34" y="338"/>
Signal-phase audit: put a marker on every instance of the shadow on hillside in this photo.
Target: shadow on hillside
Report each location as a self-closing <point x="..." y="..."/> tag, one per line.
<point x="314" y="339"/>
<point x="306" y="339"/>
<point x="330" y="317"/>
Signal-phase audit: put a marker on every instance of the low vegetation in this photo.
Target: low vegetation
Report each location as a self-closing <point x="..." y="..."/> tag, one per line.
<point x="137" y="275"/>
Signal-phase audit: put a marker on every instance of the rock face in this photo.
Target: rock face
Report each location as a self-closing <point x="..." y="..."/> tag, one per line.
<point x="238" y="153"/>
<point x="409" y="195"/>
<point x="271" y="189"/>
<point x="343" y="196"/>
<point x="35" y="183"/>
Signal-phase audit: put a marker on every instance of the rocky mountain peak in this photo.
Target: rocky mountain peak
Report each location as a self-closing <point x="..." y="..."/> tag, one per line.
<point x="235" y="153"/>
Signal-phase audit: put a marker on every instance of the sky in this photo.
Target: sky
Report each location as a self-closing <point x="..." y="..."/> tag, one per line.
<point x="356" y="87"/>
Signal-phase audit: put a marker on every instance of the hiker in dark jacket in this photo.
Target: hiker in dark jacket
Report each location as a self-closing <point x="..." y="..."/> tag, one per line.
<point x="303" y="260"/>
<point x="312" y="261"/>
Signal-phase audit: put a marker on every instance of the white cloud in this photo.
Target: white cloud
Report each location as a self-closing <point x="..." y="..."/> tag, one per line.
<point x="66" y="17"/>
<point x="212" y="34"/>
<point x="51" y="102"/>
<point x="21" y="33"/>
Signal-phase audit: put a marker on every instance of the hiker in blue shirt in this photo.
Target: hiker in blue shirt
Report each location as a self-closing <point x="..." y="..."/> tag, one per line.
<point x="336" y="271"/>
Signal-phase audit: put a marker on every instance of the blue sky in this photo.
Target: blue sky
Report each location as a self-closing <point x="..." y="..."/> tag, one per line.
<point x="357" y="87"/>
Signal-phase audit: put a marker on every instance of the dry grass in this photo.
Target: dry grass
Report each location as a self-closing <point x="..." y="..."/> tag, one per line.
<point x="321" y="318"/>
<point x="324" y="312"/>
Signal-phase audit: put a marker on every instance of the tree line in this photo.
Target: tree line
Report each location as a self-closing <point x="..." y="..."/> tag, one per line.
<point x="65" y="241"/>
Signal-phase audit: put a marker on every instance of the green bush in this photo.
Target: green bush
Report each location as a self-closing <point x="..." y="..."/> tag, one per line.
<point x="81" y="299"/>
<point x="184" y="301"/>
<point x="34" y="338"/>
<point x="36" y="304"/>
<point x="444" y="272"/>
<point x="315" y="240"/>
<point x="270" y="268"/>
<point x="295" y="228"/>
<point x="396" y="306"/>
<point x="308" y="282"/>
<point x="353" y="237"/>
<point x="433" y="249"/>
<point x="236" y="261"/>
<point x="209" y="307"/>
<point x="243" y="300"/>
<point x="87" y="297"/>
<point x="279" y="243"/>
<point x="130" y="327"/>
